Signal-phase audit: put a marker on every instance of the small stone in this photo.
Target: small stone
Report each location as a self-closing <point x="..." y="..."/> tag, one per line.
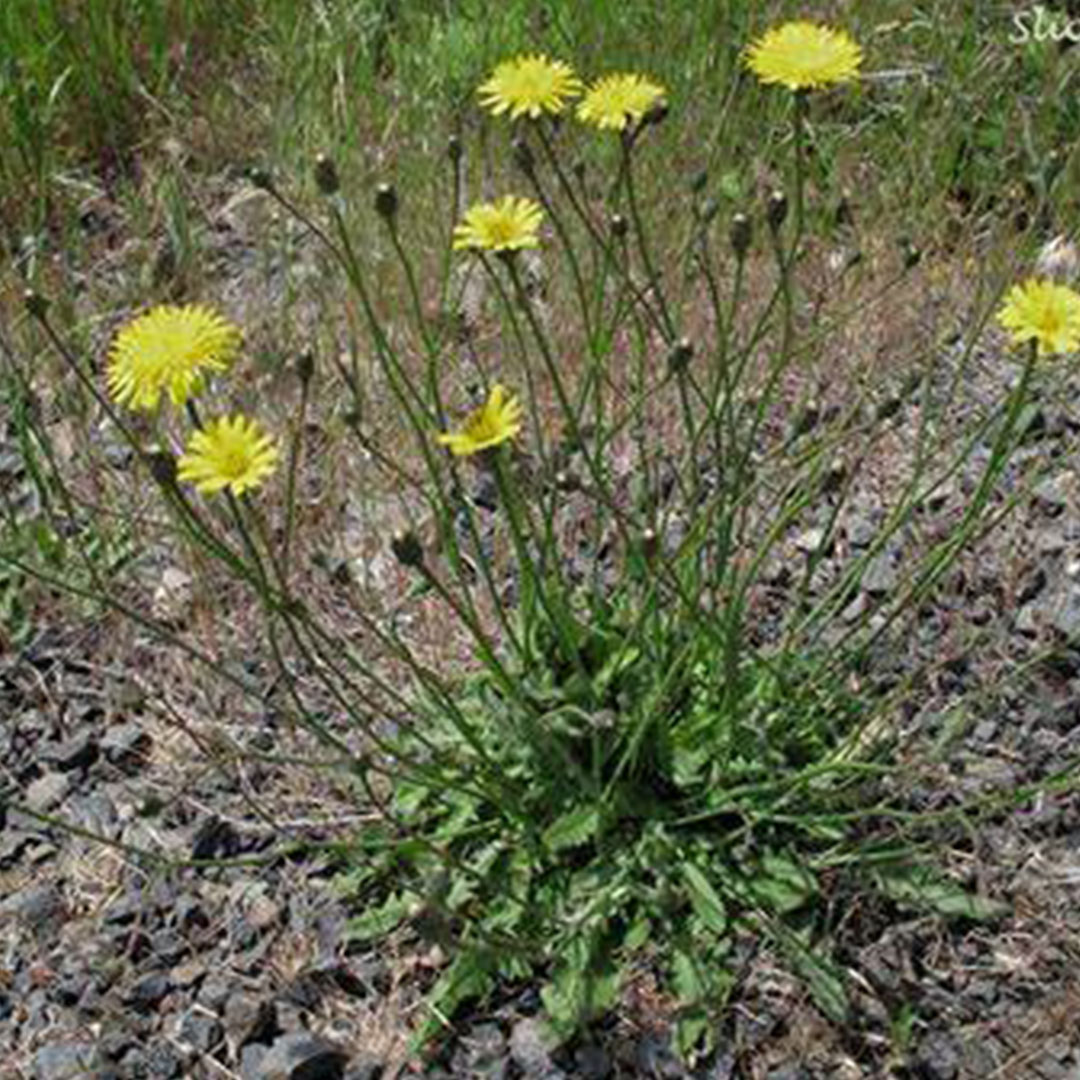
<point x="247" y="1019"/>
<point x="592" y="1062"/>
<point x="262" y="913"/>
<point x="1050" y="542"/>
<point x="37" y="906"/>
<point x="168" y="947"/>
<point x="251" y="1059"/>
<point x="880" y="576"/>
<point x="855" y="609"/>
<point x="148" y="991"/>
<point x="47" y="792"/>
<point x="65" y="1061"/>
<point x="530" y="1047"/>
<point x="215" y="991"/>
<point x="1051" y="496"/>
<point x="811" y="542"/>
<point x="189" y="914"/>
<point x="288" y="1016"/>
<point x="1027" y="621"/>
<point x="95" y="812"/>
<point x="301" y="1055"/>
<point x="200" y="1031"/>
<point x="173" y="596"/>
<point x="860" y="530"/>
<point x="125" y="746"/>
<point x="78" y="752"/>
<point x="162" y="1061"/>
<point x="124" y="911"/>
<point x="188" y="974"/>
<point x="1064" y="612"/>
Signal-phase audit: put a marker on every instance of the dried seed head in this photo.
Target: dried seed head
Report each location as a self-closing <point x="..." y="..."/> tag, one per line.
<point x="680" y="356"/>
<point x="565" y="480"/>
<point x="305" y="366"/>
<point x="454" y="149"/>
<point x="386" y="202"/>
<point x="407" y="549"/>
<point x="326" y="175"/>
<point x="698" y="181"/>
<point x="162" y="466"/>
<point x="36" y="305"/>
<point x="741" y="235"/>
<point x="619" y="226"/>
<point x="776" y="211"/>
<point x="261" y="179"/>
<point x="912" y="255"/>
<point x="650" y="544"/>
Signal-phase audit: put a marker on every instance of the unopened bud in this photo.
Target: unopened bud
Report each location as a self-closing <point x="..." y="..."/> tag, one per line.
<point x="912" y="256"/>
<point x="650" y="544"/>
<point x="326" y="175"/>
<point x="305" y="366"/>
<point x="261" y="179"/>
<point x="407" y="549"/>
<point x="776" y="211"/>
<point x="619" y="226"/>
<point x="386" y="202"/>
<point x="454" y="149"/>
<point x="523" y="156"/>
<point x="680" y="356"/>
<point x="35" y="304"/>
<point x="741" y="235"/>
<point x="567" y="481"/>
<point x="162" y="466"/>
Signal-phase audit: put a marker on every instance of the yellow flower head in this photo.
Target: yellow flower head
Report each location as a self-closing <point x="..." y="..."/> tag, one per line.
<point x="803" y="56"/>
<point x="168" y="351"/>
<point x="507" y="225"/>
<point x="614" y="101"/>
<point x="232" y="452"/>
<point x="1044" y="311"/>
<point x="529" y="86"/>
<point x="496" y="421"/>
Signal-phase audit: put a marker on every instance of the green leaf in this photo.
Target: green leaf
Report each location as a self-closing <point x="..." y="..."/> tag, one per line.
<point x="825" y="986"/>
<point x="466" y="977"/>
<point x="573" y="829"/>
<point x="379" y="920"/>
<point x="730" y="186"/>
<point x="920" y="887"/>
<point x="689" y="1029"/>
<point x="783" y="885"/>
<point x="705" y="900"/>
<point x="638" y="934"/>
<point x="686" y="978"/>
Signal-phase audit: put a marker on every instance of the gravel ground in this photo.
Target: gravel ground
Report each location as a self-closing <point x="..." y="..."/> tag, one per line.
<point x="114" y="967"/>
